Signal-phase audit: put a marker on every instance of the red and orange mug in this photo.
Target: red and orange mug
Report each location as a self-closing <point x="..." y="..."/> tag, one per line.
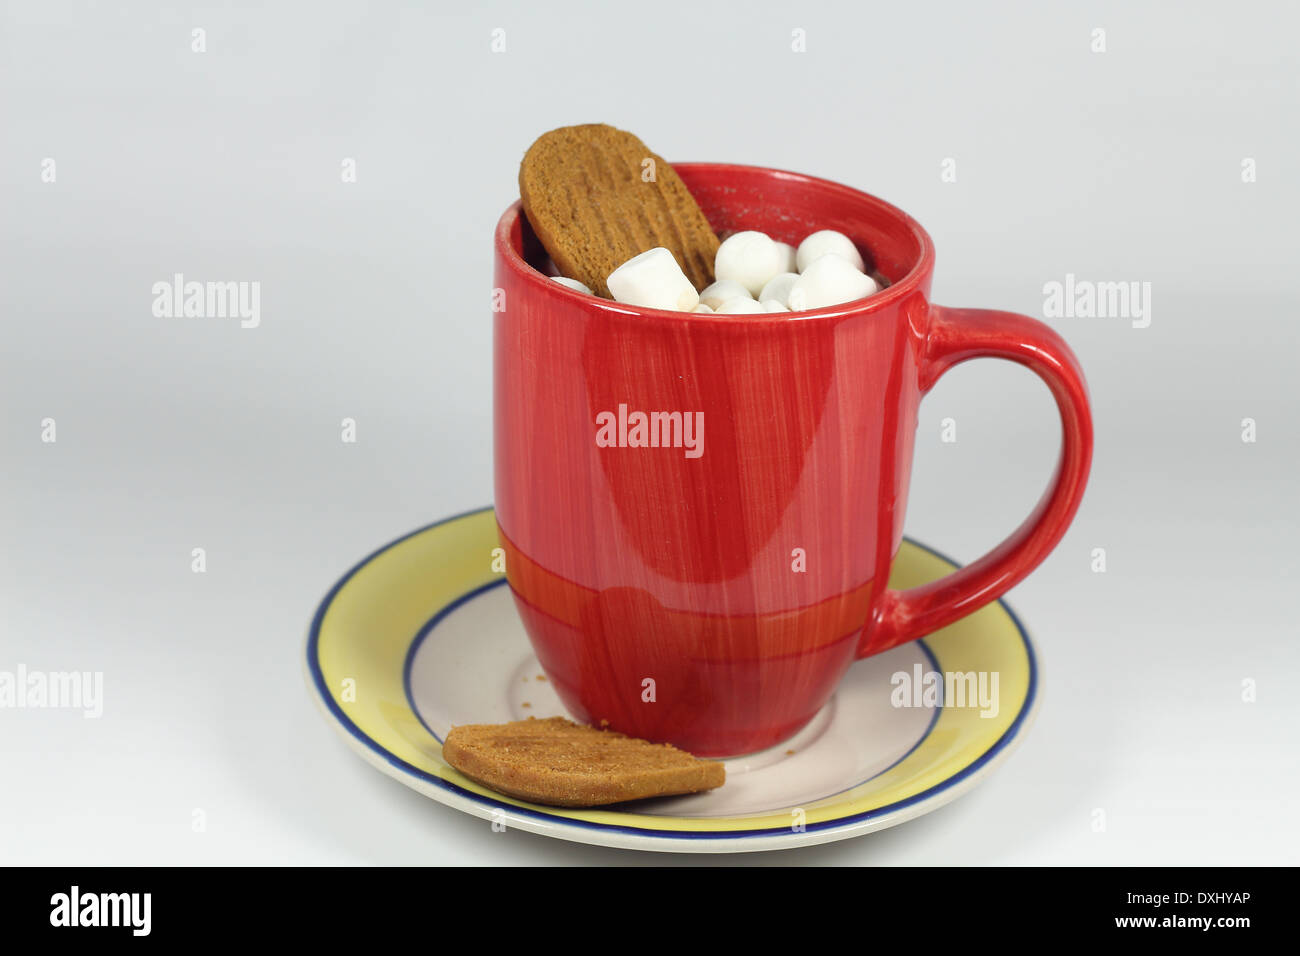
<point x="699" y="512"/>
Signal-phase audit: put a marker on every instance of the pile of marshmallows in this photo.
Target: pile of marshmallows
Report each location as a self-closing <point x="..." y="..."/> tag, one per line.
<point x="755" y="274"/>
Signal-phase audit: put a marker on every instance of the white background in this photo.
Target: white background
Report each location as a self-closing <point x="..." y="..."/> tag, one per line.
<point x="182" y="433"/>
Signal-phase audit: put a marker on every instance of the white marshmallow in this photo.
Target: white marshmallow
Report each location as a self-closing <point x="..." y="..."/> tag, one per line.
<point x="653" y="279"/>
<point x="750" y="258"/>
<point x="723" y="291"/>
<point x="790" y="258"/>
<point x="778" y="288"/>
<point x="571" y="284"/>
<point x="771" y="305"/>
<point x="829" y="280"/>
<point x="828" y="240"/>
<point x="702" y="308"/>
<point x="745" y="306"/>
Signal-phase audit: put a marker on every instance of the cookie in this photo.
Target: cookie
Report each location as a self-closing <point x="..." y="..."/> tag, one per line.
<point x="562" y="764"/>
<point x="586" y="195"/>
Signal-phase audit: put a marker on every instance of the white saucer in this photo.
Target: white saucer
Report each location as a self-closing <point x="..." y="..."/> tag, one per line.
<point x="422" y="635"/>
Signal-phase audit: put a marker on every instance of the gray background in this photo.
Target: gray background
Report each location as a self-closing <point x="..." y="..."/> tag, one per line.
<point x="183" y="433"/>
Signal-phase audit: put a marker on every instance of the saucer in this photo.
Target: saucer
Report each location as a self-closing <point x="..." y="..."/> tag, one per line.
<point x="423" y="634"/>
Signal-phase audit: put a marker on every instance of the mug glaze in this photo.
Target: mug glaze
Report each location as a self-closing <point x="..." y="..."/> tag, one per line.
<point x="715" y="600"/>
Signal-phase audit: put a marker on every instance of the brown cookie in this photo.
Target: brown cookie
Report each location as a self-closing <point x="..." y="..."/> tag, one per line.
<point x="562" y="764"/>
<point x="586" y="195"/>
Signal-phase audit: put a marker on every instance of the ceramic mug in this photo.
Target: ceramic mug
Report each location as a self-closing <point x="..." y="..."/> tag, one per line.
<point x="699" y="512"/>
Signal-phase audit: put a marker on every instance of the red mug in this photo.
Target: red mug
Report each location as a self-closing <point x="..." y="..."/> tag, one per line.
<point x="699" y="512"/>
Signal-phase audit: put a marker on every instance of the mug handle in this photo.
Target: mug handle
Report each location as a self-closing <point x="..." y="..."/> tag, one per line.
<point x="955" y="336"/>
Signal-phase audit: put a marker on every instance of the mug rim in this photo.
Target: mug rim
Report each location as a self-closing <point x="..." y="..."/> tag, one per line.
<point x="910" y="283"/>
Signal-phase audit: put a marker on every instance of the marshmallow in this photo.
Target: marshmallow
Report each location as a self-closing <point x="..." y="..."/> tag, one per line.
<point x="750" y="258"/>
<point x="778" y="288"/>
<point x="702" y="308"/>
<point x="653" y="279"/>
<point x="790" y="258"/>
<point x="828" y="240"/>
<point x="829" y="280"/>
<point x="745" y="306"/>
<point x="571" y="284"/>
<point x="771" y="305"/>
<point x="723" y="291"/>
